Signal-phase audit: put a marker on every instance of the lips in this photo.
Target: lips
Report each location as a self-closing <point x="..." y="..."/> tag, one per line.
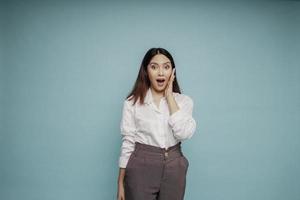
<point x="160" y="81"/>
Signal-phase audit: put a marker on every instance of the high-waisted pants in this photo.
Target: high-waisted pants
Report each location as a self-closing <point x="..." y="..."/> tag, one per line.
<point x="154" y="173"/>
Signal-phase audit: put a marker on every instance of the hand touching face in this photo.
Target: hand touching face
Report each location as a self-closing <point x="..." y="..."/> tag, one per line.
<point x="169" y="89"/>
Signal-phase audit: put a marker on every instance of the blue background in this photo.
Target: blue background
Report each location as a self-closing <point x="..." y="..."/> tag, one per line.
<point x="67" y="66"/>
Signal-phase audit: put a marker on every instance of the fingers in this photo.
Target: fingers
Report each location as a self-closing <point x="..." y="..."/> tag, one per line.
<point x="121" y="194"/>
<point x="169" y="86"/>
<point x="121" y="197"/>
<point x="172" y="76"/>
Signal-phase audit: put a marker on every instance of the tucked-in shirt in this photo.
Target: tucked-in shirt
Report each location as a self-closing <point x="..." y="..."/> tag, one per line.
<point x="152" y="125"/>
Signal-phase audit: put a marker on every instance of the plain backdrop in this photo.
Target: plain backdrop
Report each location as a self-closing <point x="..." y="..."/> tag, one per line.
<point x="67" y="66"/>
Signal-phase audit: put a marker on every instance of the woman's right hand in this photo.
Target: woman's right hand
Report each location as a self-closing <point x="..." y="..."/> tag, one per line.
<point x="121" y="193"/>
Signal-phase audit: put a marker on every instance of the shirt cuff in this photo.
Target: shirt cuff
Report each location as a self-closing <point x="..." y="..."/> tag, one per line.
<point x="123" y="162"/>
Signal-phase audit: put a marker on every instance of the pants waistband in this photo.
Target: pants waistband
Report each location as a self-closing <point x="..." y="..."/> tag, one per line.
<point x="150" y="148"/>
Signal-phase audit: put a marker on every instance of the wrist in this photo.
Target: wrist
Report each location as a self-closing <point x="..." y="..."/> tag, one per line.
<point x="170" y="95"/>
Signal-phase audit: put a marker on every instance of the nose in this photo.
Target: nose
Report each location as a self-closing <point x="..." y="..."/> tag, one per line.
<point x="160" y="71"/>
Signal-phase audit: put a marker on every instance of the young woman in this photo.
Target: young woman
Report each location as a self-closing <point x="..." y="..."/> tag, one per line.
<point x="156" y="118"/>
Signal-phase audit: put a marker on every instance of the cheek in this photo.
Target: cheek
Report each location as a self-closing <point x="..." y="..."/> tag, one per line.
<point x="151" y="77"/>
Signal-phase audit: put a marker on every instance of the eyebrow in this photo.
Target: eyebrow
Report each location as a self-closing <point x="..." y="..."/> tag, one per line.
<point x="157" y="63"/>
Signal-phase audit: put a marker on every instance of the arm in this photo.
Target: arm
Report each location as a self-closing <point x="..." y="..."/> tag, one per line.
<point x="121" y="192"/>
<point x="172" y="104"/>
<point x="121" y="176"/>
<point x="128" y="131"/>
<point x="181" y="120"/>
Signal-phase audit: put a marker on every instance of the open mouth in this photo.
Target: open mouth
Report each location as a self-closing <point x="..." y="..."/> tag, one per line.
<point x="160" y="82"/>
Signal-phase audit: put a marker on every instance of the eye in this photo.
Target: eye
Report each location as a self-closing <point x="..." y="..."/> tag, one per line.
<point x="153" y="66"/>
<point x="167" y="66"/>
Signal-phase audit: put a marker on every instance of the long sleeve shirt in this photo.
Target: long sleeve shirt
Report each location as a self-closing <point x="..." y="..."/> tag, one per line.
<point x="152" y="125"/>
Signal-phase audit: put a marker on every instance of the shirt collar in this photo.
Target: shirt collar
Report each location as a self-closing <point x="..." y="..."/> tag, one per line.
<point x="149" y="98"/>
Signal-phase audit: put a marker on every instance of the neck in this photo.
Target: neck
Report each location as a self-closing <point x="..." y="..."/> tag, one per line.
<point x="157" y="95"/>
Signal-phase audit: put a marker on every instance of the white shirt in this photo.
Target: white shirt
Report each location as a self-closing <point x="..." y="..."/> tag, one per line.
<point x="151" y="125"/>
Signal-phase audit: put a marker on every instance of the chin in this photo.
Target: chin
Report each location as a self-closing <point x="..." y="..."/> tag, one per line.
<point x="159" y="89"/>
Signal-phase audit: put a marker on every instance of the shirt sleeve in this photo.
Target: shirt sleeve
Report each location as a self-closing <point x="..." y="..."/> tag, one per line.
<point x="128" y="131"/>
<point x="182" y="122"/>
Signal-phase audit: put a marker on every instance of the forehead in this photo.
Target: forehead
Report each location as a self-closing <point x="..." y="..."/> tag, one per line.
<point x="160" y="59"/>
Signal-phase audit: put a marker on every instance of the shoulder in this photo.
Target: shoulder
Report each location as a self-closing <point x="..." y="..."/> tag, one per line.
<point x="128" y="103"/>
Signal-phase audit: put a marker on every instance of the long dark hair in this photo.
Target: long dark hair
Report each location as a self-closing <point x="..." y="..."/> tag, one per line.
<point x="142" y="82"/>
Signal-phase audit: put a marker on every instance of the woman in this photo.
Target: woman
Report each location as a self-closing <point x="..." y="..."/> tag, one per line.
<point x="156" y="118"/>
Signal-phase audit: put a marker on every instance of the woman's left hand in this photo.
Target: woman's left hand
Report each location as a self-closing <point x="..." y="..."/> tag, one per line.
<point x="169" y="88"/>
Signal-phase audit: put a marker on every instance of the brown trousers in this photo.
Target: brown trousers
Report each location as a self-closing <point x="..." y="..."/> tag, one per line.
<point x="152" y="173"/>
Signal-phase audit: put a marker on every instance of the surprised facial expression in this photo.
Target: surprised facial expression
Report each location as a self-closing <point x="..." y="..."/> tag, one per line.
<point x="159" y="71"/>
